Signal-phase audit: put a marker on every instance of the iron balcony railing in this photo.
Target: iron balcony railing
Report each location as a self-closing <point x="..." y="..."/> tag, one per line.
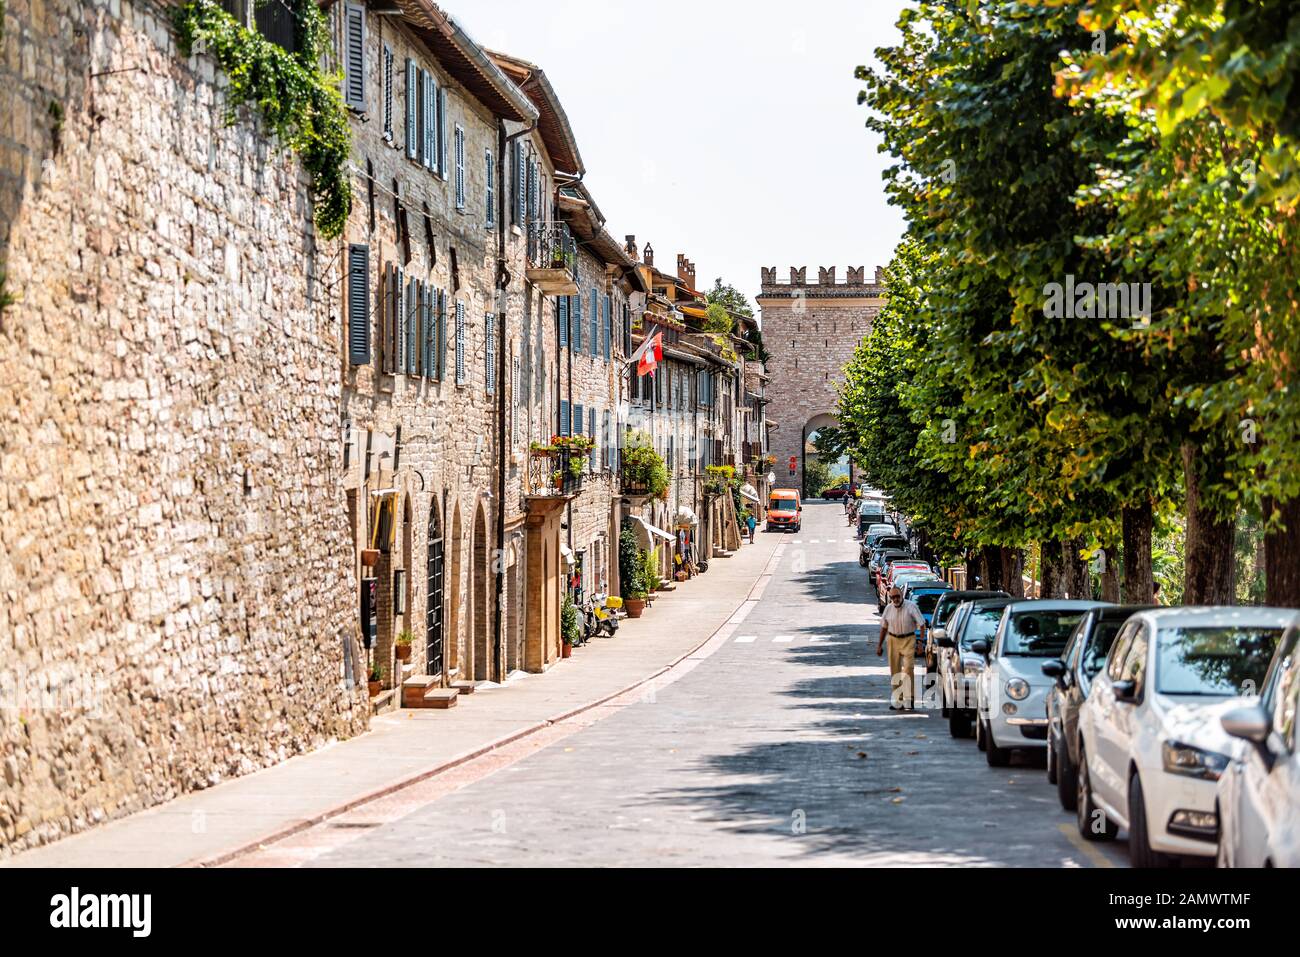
<point x="552" y="246"/>
<point x="549" y="474"/>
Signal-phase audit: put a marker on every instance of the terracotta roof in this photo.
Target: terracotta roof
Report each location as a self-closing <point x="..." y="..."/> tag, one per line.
<point x="466" y="60"/>
<point x="553" y="124"/>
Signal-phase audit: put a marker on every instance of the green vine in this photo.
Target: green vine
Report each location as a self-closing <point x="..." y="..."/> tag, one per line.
<point x="301" y="105"/>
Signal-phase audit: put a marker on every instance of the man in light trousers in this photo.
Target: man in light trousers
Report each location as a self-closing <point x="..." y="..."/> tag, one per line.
<point x="899" y="622"/>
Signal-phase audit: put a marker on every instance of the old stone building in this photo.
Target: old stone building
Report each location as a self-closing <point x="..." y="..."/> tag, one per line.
<point x="176" y="606"/>
<point x="811" y="329"/>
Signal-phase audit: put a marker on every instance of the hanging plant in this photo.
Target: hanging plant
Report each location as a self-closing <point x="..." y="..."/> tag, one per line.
<point x="300" y="104"/>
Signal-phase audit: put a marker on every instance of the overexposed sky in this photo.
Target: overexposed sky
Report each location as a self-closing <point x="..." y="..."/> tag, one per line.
<point x="722" y="129"/>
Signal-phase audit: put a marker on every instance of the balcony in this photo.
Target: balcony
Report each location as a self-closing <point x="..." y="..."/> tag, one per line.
<point x="552" y="259"/>
<point x="550" y="474"/>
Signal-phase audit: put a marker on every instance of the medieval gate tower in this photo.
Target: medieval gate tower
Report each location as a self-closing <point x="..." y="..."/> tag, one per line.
<point x="811" y="331"/>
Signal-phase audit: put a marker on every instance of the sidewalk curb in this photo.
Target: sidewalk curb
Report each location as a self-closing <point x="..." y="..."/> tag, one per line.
<point x="288" y="830"/>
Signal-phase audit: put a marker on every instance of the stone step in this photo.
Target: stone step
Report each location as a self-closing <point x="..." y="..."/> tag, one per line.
<point x="465" y="687"/>
<point x="441" y="698"/>
<point x="414" y="689"/>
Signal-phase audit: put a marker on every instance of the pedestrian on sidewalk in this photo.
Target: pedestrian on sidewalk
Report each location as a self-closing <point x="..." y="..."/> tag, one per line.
<point x="751" y="523"/>
<point x="899" y="622"/>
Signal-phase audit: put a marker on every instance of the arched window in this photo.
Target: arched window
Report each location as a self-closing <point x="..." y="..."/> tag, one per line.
<point x="434" y="593"/>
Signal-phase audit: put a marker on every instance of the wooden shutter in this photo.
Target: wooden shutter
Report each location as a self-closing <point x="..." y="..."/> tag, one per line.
<point x="564" y="417"/>
<point x="532" y="191"/>
<point x="460" y="343"/>
<point x="413" y="327"/>
<point x="490" y="351"/>
<point x="491" y="190"/>
<point x="354" y="56"/>
<point x="591" y="433"/>
<point x="412" y="109"/>
<point x="399" y="328"/>
<point x="575" y="323"/>
<point x="562" y="307"/>
<point x="442" y="334"/>
<point x="358" y="304"/>
<point x="578" y="420"/>
<point x="607" y="321"/>
<point x="388" y="310"/>
<point x="388" y="92"/>
<point x="429" y="322"/>
<point x="521" y="186"/>
<point x="460" y="168"/>
<point x="595" y="323"/>
<point x="440" y="140"/>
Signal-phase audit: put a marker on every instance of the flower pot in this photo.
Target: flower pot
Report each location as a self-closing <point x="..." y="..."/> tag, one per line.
<point x="634" y="607"/>
<point x="369" y="557"/>
<point x="681" y="576"/>
<point x="403" y="652"/>
<point x="375" y="687"/>
<point x="566" y="650"/>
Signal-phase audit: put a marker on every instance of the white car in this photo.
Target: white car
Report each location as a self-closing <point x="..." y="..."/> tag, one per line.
<point x="1259" y="793"/>
<point x="1012" y="690"/>
<point x="1151" y="746"/>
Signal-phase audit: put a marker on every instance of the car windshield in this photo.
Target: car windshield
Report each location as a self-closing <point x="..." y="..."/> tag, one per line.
<point x="1214" y="661"/>
<point x="1103" y="636"/>
<point x="782" y="505"/>
<point x="1040" y="633"/>
<point x="927" y="600"/>
<point x="980" y="623"/>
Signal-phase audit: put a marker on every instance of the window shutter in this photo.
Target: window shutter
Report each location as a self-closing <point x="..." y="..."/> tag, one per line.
<point x="412" y="109"/>
<point x="606" y="445"/>
<point x="358" y="304"/>
<point x="388" y="92"/>
<point x="607" y="320"/>
<point x="387" y="310"/>
<point x="575" y="323"/>
<point x="591" y="433"/>
<point x="441" y="137"/>
<point x="413" y="328"/>
<point x="491" y="190"/>
<point x="578" y="420"/>
<point x="521" y="188"/>
<point x="460" y="168"/>
<point x="399" y="343"/>
<point x="429" y="324"/>
<point x="562" y="306"/>
<point x="490" y="352"/>
<point x="442" y="334"/>
<point x="460" y="343"/>
<point x="595" y="323"/>
<point x="564" y="417"/>
<point x="354" y="56"/>
<point x="532" y="190"/>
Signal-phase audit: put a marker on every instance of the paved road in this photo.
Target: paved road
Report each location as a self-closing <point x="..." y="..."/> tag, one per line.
<point x="776" y="749"/>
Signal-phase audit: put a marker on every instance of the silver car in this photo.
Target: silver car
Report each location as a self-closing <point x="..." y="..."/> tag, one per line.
<point x="1258" y="795"/>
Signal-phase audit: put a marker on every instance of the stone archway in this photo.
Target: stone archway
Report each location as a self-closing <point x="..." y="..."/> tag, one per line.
<point x="480" y="655"/>
<point x="810" y="460"/>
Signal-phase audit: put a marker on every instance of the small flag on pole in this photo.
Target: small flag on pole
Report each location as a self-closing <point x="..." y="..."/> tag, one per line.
<point x="650" y="354"/>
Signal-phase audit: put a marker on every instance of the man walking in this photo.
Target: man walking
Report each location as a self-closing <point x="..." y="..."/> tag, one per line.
<point x="899" y="622"/>
<point x="751" y="523"/>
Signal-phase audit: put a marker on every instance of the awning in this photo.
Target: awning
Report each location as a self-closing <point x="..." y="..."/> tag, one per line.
<point x="685" y="516"/>
<point x="645" y="532"/>
<point x="566" y="553"/>
<point x="749" y="492"/>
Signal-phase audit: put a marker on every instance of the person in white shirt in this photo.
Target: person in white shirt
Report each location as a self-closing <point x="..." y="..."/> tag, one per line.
<point x="899" y="622"/>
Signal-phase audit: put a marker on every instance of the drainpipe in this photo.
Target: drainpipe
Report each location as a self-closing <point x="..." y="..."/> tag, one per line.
<point x="504" y="438"/>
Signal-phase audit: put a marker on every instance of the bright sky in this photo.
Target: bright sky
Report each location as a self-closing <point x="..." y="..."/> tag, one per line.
<point x="722" y="129"/>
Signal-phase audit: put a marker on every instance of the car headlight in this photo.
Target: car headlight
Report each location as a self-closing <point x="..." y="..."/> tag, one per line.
<point x="972" y="669"/>
<point x="1193" y="762"/>
<point x="1017" y="689"/>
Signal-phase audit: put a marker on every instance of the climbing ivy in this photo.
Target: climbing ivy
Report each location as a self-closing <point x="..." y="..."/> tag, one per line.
<point x="298" y="101"/>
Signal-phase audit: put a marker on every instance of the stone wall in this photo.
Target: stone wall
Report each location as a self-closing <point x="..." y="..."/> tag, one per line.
<point x="811" y="331"/>
<point x="175" y="571"/>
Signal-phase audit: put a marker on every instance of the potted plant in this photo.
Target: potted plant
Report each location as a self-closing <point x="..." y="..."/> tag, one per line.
<point x="376" y="679"/>
<point x="650" y="569"/>
<point x="369" y="557"/>
<point x="403" y="646"/>
<point x="635" y="603"/>
<point x="570" y="627"/>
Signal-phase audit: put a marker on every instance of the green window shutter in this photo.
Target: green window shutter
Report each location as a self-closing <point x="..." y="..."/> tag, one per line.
<point x="354" y="56"/>
<point x="358" y="304"/>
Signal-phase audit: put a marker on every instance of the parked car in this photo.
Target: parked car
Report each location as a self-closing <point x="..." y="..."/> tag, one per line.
<point x="870" y="546"/>
<point x="785" y="510"/>
<point x="1151" y="745"/>
<point x="870" y="513"/>
<point x="926" y="594"/>
<point x="838" y="491"/>
<point x="1072" y="676"/>
<point x="947" y="604"/>
<point x="893" y="571"/>
<point x="1258" y="795"/>
<point x="879" y="530"/>
<point x="960" y="665"/>
<point x="1012" y="688"/>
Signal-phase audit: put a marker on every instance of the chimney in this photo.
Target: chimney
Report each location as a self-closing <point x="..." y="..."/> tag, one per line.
<point x="648" y="257"/>
<point x="630" y="247"/>
<point x="686" y="270"/>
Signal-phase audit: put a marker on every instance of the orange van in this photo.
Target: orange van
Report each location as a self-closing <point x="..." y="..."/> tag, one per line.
<point x="784" y="510"/>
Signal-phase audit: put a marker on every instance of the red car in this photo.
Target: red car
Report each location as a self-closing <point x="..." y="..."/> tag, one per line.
<point x="839" y="491"/>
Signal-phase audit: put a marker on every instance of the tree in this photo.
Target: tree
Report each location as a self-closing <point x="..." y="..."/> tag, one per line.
<point x="730" y="298"/>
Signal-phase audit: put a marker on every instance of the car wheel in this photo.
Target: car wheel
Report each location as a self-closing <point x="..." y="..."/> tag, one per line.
<point x="862" y="561"/>
<point x="1139" y="840"/>
<point x="958" y="723"/>
<point x="1051" y="758"/>
<point x="980" y="741"/>
<point x="1067" y="785"/>
<point x="1087" y="813"/>
<point x="997" y="757"/>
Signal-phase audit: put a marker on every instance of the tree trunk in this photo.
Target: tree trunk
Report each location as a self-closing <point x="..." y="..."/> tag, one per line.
<point x="1076" y="577"/>
<point x="991" y="559"/>
<point x="1209" y="547"/>
<point x="1013" y="579"/>
<point x="1137" y="521"/>
<point x="1282" y="555"/>
<point x="1051" y="569"/>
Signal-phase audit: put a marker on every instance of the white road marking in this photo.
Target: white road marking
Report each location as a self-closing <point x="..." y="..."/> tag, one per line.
<point x="746" y="639"/>
<point x="783" y="639"/>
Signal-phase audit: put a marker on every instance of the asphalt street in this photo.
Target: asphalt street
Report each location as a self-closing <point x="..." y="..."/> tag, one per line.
<point x="778" y="748"/>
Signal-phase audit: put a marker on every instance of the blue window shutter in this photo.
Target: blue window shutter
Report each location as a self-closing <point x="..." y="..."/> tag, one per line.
<point x="412" y="109"/>
<point x="562" y="304"/>
<point x="578" y="420"/>
<point x="442" y="333"/>
<point x="521" y="186"/>
<point x="354" y="56"/>
<point x="575" y="323"/>
<point x="429" y="365"/>
<point x="607" y="320"/>
<point x="564" y="417"/>
<point x="441" y="138"/>
<point x="461" y="370"/>
<point x="490" y="351"/>
<point x="412" y="326"/>
<point x="358" y="304"/>
<point x="591" y="433"/>
<point x="594" y="346"/>
<point x="491" y="190"/>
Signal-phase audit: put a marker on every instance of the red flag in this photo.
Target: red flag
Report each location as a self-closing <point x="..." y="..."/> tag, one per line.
<point x="651" y="354"/>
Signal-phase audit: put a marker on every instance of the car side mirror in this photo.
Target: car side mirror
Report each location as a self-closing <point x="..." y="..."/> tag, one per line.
<point x="945" y="642"/>
<point x="1055" y="669"/>
<point x="1249" y="723"/>
<point x="980" y="647"/>
<point x="1125" y="690"/>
